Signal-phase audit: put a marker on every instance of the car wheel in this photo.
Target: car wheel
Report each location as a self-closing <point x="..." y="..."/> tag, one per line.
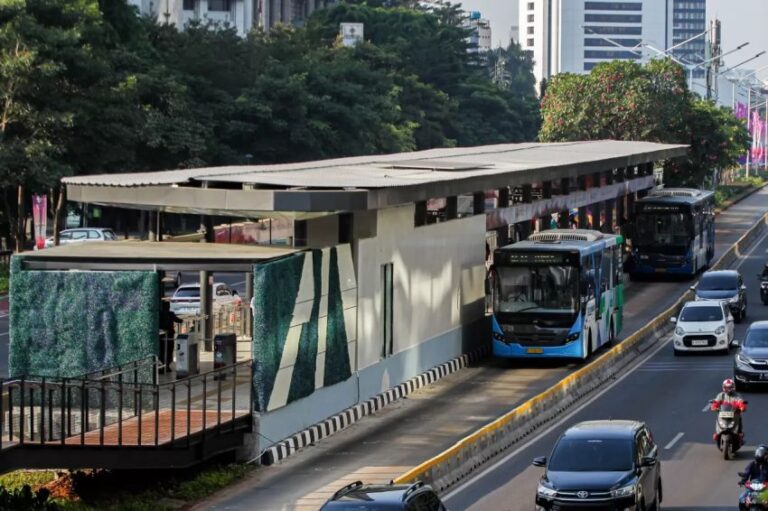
<point x="657" y="500"/>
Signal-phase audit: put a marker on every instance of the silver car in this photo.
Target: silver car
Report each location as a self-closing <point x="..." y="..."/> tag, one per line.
<point x="83" y="235"/>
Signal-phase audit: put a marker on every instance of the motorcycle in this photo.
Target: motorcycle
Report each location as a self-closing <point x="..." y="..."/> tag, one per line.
<point x="755" y="496"/>
<point x="728" y="439"/>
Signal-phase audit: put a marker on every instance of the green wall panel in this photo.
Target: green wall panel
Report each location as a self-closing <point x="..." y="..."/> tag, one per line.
<point x="337" y="367"/>
<point x="70" y="323"/>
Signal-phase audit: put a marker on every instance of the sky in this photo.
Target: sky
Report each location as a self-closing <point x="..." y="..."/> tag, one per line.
<point x="742" y="21"/>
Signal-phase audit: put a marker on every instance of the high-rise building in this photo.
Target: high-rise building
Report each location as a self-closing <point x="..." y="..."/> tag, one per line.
<point x="689" y="19"/>
<point x="576" y="35"/>
<point x="243" y="15"/>
<point x="480" y="32"/>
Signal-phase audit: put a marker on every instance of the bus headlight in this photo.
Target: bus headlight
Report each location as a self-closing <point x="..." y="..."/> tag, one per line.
<point x="498" y="337"/>
<point x="573" y="337"/>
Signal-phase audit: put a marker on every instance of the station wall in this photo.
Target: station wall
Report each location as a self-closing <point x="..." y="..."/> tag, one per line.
<point x="66" y="323"/>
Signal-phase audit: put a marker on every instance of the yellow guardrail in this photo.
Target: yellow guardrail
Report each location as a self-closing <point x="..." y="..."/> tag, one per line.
<point x="462" y="451"/>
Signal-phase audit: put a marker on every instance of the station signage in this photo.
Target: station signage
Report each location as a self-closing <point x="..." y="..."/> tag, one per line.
<point x="520" y="258"/>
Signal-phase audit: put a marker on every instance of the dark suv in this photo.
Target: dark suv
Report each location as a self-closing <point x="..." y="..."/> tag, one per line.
<point x="726" y="286"/>
<point x="601" y="465"/>
<point x="384" y="497"/>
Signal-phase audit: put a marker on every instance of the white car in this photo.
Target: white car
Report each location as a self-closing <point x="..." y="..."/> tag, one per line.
<point x="83" y="235"/>
<point x="703" y="326"/>
<point x="186" y="299"/>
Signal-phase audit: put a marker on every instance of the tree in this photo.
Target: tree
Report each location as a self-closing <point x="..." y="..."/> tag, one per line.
<point x="624" y="100"/>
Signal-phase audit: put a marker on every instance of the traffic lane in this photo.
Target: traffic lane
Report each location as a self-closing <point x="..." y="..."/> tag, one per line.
<point x="671" y="394"/>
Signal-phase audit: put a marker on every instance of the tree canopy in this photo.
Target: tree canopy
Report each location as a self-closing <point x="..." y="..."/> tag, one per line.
<point x="90" y="86"/>
<point x="624" y="100"/>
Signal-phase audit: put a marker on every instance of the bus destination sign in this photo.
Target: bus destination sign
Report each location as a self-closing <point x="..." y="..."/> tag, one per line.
<point x="537" y="258"/>
<point x="662" y="208"/>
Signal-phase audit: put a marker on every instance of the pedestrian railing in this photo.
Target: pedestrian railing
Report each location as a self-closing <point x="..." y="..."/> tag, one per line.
<point x="115" y="410"/>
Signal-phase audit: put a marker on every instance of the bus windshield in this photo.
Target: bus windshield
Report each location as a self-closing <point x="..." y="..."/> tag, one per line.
<point x="538" y="289"/>
<point x="664" y="230"/>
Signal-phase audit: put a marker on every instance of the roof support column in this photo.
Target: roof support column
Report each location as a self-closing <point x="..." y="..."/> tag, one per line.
<point x="546" y="190"/>
<point x="152" y="232"/>
<point x="609" y="205"/>
<point x="565" y="186"/>
<point x="503" y="197"/>
<point x="596" y="214"/>
<point x="451" y="207"/>
<point x="527" y="193"/>
<point x="478" y="203"/>
<point x="206" y="309"/>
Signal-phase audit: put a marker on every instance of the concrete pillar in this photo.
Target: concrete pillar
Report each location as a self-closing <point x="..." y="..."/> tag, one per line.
<point x="503" y="198"/>
<point x="152" y="232"/>
<point x="582" y="219"/>
<point x="248" y="297"/>
<point x="206" y="309"/>
<point x="159" y="226"/>
<point x="596" y="211"/>
<point x="451" y="207"/>
<point x="609" y="177"/>
<point x="478" y="203"/>
<point x="546" y="190"/>
<point x="565" y="186"/>
<point x="596" y="179"/>
<point x="563" y="222"/>
<point x="609" y="204"/>
<point x="582" y="182"/>
<point x="527" y="194"/>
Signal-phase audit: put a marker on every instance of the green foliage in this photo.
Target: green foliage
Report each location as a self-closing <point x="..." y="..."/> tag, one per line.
<point x="628" y="101"/>
<point x="24" y="498"/>
<point x="726" y="193"/>
<point x="71" y="323"/>
<point x="20" y="478"/>
<point x="5" y="278"/>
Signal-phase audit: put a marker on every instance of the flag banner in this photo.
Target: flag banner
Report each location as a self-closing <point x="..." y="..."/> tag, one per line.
<point x="40" y="216"/>
<point x="741" y="111"/>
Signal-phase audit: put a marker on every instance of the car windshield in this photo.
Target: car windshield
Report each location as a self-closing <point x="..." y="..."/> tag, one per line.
<point x="756" y="338"/>
<point x="109" y="235"/>
<point x="537" y="289"/>
<point x="717" y="283"/>
<point x="592" y="455"/>
<point x="187" y="292"/>
<point x="693" y="314"/>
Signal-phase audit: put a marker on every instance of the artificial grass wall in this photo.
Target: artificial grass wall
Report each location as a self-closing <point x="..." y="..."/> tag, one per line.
<point x="277" y="299"/>
<point x="70" y="323"/>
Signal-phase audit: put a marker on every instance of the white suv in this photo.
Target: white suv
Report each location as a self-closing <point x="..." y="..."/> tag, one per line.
<point x="83" y="235"/>
<point x="703" y="326"/>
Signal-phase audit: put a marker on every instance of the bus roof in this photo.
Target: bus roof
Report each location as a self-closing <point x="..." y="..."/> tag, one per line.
<point x="677" y="196"/>
<point x="567" y="240"/>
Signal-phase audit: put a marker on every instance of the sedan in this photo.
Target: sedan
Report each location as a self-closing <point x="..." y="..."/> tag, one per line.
<point x="186" y="299"/>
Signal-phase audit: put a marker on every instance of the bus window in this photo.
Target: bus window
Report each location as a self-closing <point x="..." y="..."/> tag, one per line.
<point x="618" y="265"/>
<point x="605" y="273"/>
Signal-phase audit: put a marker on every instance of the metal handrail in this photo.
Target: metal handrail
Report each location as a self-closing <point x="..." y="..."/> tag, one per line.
<point x="72" y="410"/>
<point x="151" y="361"/>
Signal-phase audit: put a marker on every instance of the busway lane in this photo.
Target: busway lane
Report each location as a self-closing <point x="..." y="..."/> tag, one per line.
<point x="670" y="394"/>
<point x="385" y="445"/>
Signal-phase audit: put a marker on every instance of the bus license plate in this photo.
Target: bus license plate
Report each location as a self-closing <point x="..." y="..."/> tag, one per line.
<point x="538" y="351"/>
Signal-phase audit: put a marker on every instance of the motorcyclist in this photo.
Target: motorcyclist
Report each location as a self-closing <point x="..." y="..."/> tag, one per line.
<point x="757" y="470"/>
<point x="729" y="395"/>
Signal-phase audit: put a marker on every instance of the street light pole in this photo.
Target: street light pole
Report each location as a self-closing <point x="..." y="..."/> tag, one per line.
<point x="749" y="128"/>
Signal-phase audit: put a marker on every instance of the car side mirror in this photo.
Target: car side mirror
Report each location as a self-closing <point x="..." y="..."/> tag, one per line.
<point x="673" y="320"/>
<point x="735" y="343"/>
<point x="540" y="461"/>
<point x="692" y="288"/>
<point x="648" y="461"/>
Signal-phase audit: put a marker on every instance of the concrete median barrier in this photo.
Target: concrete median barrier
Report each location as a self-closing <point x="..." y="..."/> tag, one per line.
<point x="472" y="452"/>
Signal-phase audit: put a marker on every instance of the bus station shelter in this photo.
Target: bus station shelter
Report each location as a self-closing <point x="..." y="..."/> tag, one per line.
<point x="385" y="275"/>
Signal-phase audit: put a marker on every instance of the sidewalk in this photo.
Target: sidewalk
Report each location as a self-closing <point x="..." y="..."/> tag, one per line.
<point x="384" y="445"/>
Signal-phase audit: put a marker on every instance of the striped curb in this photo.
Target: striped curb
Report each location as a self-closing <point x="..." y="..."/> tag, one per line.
<point x="467" y="455"/>
<point x="342" y="420"/>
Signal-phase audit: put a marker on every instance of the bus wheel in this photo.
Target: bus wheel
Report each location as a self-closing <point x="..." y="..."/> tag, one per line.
<point x="589" y="345"/>
<point x="611" y="334"/>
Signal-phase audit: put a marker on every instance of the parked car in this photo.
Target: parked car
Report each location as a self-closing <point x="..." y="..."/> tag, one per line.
<point x="750" y="365"/>
<point x="725" y="285"/>
<point x="601" y="465"/>
<point x="703" y="326"/>
<point x="186" y="298"/>
<point x="83" y="235"/>
<point x="395" y="497"/>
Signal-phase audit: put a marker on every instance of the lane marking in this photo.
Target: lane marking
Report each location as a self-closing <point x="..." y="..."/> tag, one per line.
<point x="4" y="334"/>
<point x="480" y="475"/>
<point x="556" y="425"/>
<point x="674" y="441"/>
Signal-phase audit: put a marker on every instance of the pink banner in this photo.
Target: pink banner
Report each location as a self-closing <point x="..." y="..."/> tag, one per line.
<point x="40" y="216"/>
<point x="757" y="128"/>
<point x="741" y="111"/>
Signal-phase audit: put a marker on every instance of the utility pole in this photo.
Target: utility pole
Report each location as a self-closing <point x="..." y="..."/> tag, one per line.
<point x="714" y="58"/>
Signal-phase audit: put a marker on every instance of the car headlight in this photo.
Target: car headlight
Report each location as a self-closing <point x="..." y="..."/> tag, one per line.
<point x="720" y="330"/>
<point x="626" y="491"/>
<point x="679" y="331"/>
<point x="743" y="359"/>
<point x="546" y="491"/>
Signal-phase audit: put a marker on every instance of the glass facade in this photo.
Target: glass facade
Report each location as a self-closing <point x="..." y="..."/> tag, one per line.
<point x="609" y="27"/>
<point x="689" y="19"/>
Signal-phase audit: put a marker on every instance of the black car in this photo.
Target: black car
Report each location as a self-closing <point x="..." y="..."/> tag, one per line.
<point x="727" y="286"/>
<point x="751" y="362"/>
<point x="384" y="497"/>
<point x="601" y="465"/>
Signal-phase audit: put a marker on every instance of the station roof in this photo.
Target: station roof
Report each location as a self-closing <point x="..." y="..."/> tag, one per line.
<point x="359" y="183"/>
<point x="144" y="255"/>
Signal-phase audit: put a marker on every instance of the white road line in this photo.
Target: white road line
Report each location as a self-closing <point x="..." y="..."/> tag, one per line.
<point x="557" y="424"/>
<point x="674" y="441"/>
<point x="3" y="334"/>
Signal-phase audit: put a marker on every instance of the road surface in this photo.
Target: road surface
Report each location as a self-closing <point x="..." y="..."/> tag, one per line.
<point x="670" y="394"/>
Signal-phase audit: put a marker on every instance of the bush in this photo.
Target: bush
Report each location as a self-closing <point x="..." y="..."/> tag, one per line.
<point x="4" y="278"/>
<point x="24" y="498"/>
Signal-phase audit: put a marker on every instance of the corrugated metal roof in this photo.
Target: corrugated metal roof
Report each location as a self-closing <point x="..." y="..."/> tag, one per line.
<point x="380" y="172"/>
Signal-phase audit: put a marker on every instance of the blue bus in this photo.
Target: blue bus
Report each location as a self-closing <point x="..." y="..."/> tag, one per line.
<point x="674" y="232"/>
<point x="557" y="294"/>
